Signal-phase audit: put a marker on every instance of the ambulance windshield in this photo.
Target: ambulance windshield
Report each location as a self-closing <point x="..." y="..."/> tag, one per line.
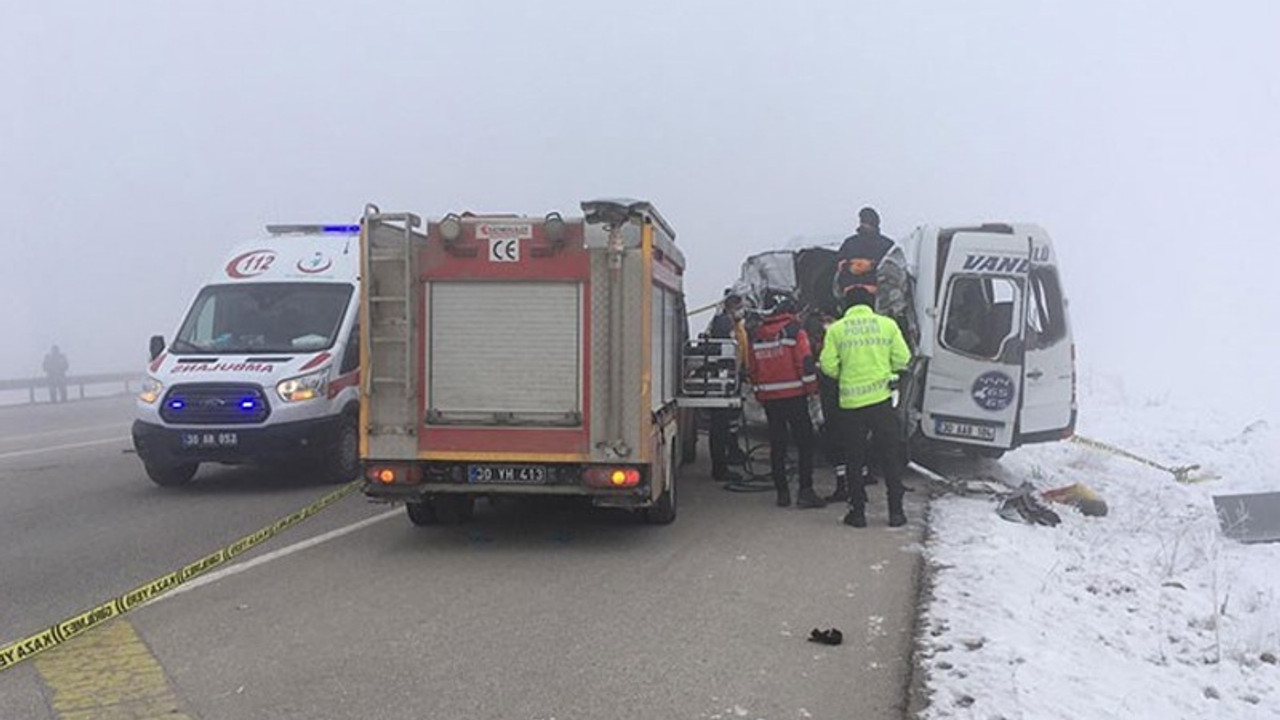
<point x="264" y="318"/>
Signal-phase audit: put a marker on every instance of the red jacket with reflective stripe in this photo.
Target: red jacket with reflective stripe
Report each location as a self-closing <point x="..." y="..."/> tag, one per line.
<point x="780" y="361"/>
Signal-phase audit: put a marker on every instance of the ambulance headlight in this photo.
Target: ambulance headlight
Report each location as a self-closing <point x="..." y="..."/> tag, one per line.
<point x="151" y="391"/>
<point x="303" y="387"/>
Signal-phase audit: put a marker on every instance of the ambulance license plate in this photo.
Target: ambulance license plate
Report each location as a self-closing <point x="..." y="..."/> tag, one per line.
<point x="507" y="474"/>
<point x="209" y="439"/>
<point x="965" y="430"/>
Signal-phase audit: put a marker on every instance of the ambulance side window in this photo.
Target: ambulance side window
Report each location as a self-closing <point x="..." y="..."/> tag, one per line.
<point x="351" y="353"/>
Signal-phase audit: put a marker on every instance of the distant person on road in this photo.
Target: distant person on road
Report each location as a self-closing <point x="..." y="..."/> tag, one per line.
<point x="864" y="350"/>
<point x="55" y="369"/>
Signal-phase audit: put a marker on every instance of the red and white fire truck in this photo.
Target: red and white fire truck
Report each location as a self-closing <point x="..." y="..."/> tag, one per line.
<point x="513" y="355"/>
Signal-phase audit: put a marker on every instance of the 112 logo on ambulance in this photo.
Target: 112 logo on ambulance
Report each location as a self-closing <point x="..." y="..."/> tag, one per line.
<point x="504" y="239"/>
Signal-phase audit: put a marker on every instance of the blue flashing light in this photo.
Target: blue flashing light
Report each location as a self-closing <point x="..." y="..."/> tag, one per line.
<point x="248" y="404"/>
<point x="177" y="404"/>
<point x="341" y="229"/>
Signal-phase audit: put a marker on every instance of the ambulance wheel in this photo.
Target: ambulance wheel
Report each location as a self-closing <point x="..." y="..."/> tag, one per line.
<point x="342" y="459"/>
<point x="421" y="514"/>
<point x="453" y="509"/>
<point x="663" y="510"/>
<point x="171" y="475"/>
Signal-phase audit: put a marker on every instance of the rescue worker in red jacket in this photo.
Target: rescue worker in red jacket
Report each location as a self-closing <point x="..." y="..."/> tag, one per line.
<point x="784" y="374"/>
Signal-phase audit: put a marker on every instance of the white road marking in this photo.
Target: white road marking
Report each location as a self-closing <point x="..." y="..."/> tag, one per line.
<point x="226" y="572"/>
<point x="64" y="431"/>
<point x="56" y="448"/>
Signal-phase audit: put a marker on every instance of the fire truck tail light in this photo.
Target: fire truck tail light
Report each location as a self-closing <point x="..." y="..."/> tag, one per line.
<point x="392" y="474"/>
<point x="611" y="477"/>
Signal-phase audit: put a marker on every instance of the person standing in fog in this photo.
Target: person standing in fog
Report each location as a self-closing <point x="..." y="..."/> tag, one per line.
<point x="55" y="370"/>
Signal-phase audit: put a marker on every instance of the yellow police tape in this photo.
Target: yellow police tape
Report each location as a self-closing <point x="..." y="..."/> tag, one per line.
<point x="1181" y="473"/>
<point x="55" y="635"/>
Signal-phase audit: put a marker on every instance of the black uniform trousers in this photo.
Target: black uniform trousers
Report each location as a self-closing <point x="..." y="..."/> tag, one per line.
<point x="722" y="440"/>
<point x="789" y="420"/>
<point x="832" y="436"/>
<point x="873" y="428"/>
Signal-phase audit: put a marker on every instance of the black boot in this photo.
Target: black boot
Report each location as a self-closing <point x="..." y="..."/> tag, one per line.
<point x="842" y="489"/>
<point x="856" y="517"/>
<point x="897" y="518"/>
<point x="807" y="498"/>
<point x="784" y="494"/>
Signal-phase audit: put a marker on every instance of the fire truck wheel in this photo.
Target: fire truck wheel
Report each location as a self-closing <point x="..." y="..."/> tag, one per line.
<point x="421" y="514"/>
<point x="171" y="475"/>
<point x="453" y="509"/>
<point x="342" y="460"/>
<point x="689" y="441"/>
<point x="663" y="510"/>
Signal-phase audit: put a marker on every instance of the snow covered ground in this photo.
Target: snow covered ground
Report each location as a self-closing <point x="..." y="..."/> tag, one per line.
<point x="1148" y="612"/>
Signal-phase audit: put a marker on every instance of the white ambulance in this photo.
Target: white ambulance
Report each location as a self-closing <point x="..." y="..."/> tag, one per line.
<point x="265" y="366"/>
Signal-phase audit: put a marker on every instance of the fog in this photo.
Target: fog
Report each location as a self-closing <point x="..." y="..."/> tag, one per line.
<point x="140" y="140"/>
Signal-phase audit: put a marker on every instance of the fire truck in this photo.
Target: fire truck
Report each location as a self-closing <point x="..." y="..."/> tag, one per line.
<point x="522" y="355"/>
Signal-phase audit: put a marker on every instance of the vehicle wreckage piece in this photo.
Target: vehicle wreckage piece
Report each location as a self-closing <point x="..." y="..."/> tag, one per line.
<point x="1249" y="517"/>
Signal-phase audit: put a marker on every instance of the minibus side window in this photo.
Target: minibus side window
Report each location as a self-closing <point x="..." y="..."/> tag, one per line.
<point x="981" y="313"/>
<point x="1046" y="316"/>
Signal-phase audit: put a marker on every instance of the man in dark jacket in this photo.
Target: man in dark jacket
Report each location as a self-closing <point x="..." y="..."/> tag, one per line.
<point x="725" y="451"/>
<point x="870" y="260"/>
<point x="784" y="375"/>
<point x="861" y="254"/>
<point x="829" y="394"/>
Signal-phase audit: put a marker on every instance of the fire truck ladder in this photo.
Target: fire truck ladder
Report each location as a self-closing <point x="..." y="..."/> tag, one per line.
<point x="390" y="258"/>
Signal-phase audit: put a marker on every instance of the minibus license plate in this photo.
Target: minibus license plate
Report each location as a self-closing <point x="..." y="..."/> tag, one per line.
<point x="509" y="474"/>
<point x="966" y="430"/>
<point x="210" y="439"/>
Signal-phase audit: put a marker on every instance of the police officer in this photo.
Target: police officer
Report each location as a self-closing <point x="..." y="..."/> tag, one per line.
<point x="784" y="375"/>
<point x="864" y="350"/>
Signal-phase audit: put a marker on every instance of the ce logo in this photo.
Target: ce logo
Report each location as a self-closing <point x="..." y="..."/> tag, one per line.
<point x="504" y="250"/>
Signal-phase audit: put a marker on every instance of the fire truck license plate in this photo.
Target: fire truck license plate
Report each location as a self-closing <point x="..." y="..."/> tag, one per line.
<point x="515" y="474"/>
<point x="965" y="430"/>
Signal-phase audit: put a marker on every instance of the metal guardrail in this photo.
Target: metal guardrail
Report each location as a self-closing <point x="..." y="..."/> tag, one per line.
<point x="37" y="384"/>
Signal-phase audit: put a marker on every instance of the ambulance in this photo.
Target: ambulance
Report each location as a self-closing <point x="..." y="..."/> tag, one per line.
<point x="265" y="366"/>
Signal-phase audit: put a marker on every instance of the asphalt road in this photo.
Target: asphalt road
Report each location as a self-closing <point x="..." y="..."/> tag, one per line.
<point x="533" y="610"/>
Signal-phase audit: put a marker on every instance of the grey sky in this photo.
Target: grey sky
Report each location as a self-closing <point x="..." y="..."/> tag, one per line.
<point x="139" y="140"/>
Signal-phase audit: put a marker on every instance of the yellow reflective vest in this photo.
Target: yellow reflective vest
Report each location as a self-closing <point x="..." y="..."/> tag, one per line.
<point x="863" y="350"/>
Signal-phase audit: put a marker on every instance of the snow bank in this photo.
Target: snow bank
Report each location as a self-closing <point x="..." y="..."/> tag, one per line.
<point x="1146" y="613"/>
